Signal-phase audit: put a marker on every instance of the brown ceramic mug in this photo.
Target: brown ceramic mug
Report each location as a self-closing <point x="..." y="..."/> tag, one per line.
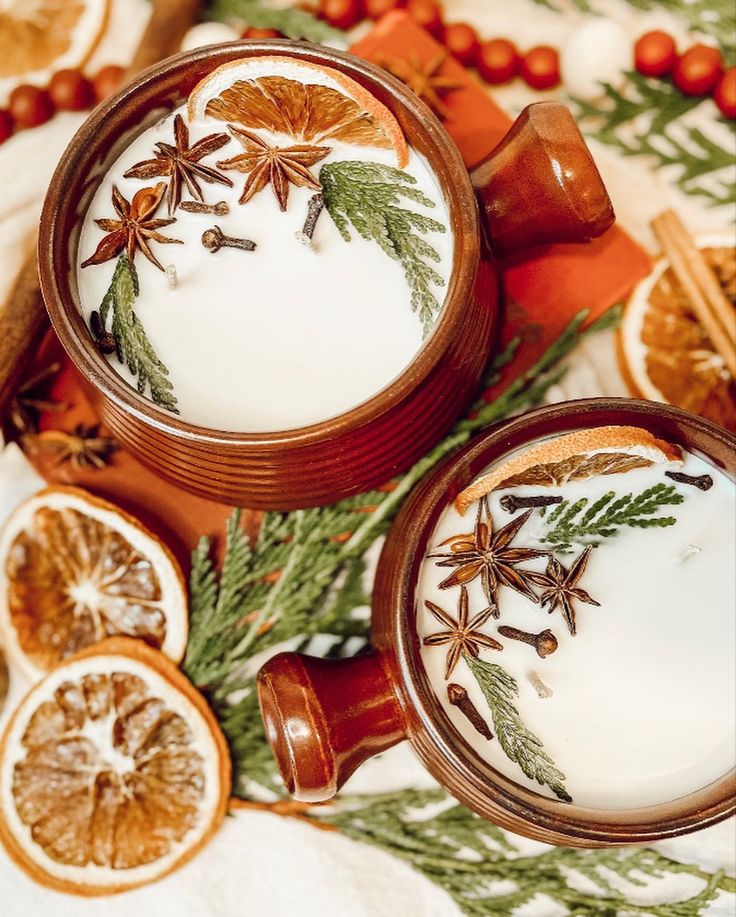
<point x="540" y="185"/>
<point x="323" y="718"/>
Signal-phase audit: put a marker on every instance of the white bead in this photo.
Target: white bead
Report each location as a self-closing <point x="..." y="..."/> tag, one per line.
<point x="208" y="33"/>
<point x="598" y="51"/>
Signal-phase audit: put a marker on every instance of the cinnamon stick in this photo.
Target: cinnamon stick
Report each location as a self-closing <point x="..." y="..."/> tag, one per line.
<point x="23" y="318"/>
<point x="709" y="303"/>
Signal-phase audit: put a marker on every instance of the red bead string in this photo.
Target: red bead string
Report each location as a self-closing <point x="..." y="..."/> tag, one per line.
<point x="698" y="71"/>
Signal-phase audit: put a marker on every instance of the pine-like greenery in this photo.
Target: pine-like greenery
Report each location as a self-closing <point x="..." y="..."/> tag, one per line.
<point x="577" y="522"/>
<point x="368" y="196"/>
<point x="133" y="346"/>
<point x="301" y="580"/>
<point x="500" y="689"/>
<point x="642" y="119"/>
<point x="290" y="21"/>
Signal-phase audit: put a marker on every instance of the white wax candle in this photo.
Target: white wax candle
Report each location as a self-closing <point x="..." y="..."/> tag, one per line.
<point x="280" y="337"/>
<point x="641" y="702"/>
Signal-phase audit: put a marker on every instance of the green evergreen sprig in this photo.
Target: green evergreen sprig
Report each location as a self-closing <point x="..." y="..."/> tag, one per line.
<point x="290" y="21"/>
<point x="521" y="746"/>
<point x="496" y="879"/>
<point x="368" y="196"/>
<point x="638" y="120"/>
<point x="133" y="346"/>
<point x="578" y="522"/>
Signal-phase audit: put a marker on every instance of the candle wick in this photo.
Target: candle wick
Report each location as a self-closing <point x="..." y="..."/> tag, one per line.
<point x="171" y="276"/>
<point x="539" y="686"/>
<point x="690" y="551"/>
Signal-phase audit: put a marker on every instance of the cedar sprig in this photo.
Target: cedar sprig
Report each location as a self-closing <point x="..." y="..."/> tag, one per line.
<point x="638" y="119"/>
<point x="368" y="196"/>
<point x="290" y="21"/>
<point x="496" y="878"/>
<point x="501" y="690"/>
<point x="578" y="522"/>
<point x="132" y="344"/>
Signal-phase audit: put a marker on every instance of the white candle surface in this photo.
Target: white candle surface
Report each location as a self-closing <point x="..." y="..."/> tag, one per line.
<point x="642" y="700"/>
<point x="277" y="338"/>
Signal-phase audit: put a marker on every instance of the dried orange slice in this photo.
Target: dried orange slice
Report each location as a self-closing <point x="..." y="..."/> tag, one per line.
<point x="113" y="772"/>
<point x="574" y="457"/>
<point x="74" y="570"/>
<point x="664" y="353"/>
<point x="305" y="101"/>
<point x="38" y="37"/>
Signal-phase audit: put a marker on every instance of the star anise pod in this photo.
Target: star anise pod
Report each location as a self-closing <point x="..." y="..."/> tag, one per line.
<point x="462" y="634"/>
<point x="30" y="401"/>
<point x="84" y="447"/>
<point x="135" y="227"/>
<point x="562" y="588"/>
<point x="278" y="166"/>
<point x="182" y="163"/>
<point x="488" y="555"/>
<point x="424" y="80"/>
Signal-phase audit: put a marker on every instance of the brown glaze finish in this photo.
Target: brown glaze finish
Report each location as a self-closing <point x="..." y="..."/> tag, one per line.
<point x="544" y="148"/>
<point x="325" y="717"/>
<point x="441" y="748"/>
<point x="367" y="445"/>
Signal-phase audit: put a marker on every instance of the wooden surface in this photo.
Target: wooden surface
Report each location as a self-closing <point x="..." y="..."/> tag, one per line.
<point x="23" y="316"/>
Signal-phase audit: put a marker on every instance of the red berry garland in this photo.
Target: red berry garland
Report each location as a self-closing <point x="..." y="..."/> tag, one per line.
<point x="428" y="15"/>
<point x="30" y="106"/>
<point x="108" y="81"/>
<point x="253" y="32"/>
<point x="698" y="70"/>
<point x="724" y="94"/>
<point x="375" y="9"/>
<point x="497" y="61"/>
<point x="540" y="67"/>
<point x="655" y="54"/>
<point x="70" y="90"/>
<point x="341" y="14"/>
<point x="461" y="40"/>
<point x="6" y="124"/>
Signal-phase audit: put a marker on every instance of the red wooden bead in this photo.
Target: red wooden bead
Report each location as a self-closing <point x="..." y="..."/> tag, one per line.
<point x="30" y="106"/>
<point x="6" y="124"/>
<point x="497" y="61"/>
<point x="698" y="70"/>
<point x="253" y="32"/>
<point x="724" y="94"/>
<point x="540" y="67"/>
<point x="375" y="9"/>
<point x="108" y="81"/>
<point x="70" y="90"/>
<point x="655" y="54"/>
<point x="461" y="40"/>
<point x="427" y="14"/>
<point x="342" y="14"/>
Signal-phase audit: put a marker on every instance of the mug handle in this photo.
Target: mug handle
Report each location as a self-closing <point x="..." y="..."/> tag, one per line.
<point x="325" y="717"/>
<point x="540" y="184"/>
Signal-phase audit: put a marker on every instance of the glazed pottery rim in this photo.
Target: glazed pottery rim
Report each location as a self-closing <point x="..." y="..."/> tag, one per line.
<point x="444" y="752"/>
<point x="63" y="303"/>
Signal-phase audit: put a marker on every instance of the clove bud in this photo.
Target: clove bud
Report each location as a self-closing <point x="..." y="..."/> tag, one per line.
<point x="214" y="239"/>
<point x="458" y="697"/>
<point x="545" y="642"/>
<point x="510" y="502"/>
<point x="220" y="209"/>
<point x="701" y="481"/>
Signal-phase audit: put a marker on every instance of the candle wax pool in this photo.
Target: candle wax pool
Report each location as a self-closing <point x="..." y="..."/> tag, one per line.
<point x="277" y="338"/>
<point x="642" y="705"/>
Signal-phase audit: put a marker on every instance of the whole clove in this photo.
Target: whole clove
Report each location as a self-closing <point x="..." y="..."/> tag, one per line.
<point x="220" y="209"/>
<point x="701" y="481"/>
<point x="105" y="342"/>
<point x="545" y="642"/>
<point x="458" y="697"/>
<point x="214" y="239"/>
<point x="511" y="502"/>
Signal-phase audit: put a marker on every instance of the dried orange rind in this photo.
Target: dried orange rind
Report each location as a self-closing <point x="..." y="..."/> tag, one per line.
<point x="304" y="101"/>
<point x="574" y="457"/>
<point x="75" y="569"/>
<point x="113" y="772"/>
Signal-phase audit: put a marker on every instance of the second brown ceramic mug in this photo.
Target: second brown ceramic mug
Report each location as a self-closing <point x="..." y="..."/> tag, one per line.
<point x="323" y="717"/>
<point x="540" y="185"/>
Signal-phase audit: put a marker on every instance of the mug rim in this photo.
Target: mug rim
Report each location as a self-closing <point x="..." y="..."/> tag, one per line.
<point x="64" y="307"/>
<point x="445" y="753"/>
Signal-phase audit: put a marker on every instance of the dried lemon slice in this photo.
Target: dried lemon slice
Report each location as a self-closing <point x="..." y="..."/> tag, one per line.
<point x="75" y="569"/>
<point x="39" y="37"/>
<point x="664" y="353"/>
<point x="574" y="457"/>
<point x="302" y="100"/>
<point x="113" y="772"/>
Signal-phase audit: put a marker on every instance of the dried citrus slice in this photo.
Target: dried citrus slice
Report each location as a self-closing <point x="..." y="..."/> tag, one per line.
<point x="574" y="457"/>
<point x="305" y="101"/>
<point x="38" y="37"/>
<point x="664" y="353"/>
<point x="113" y="772"/>
<point x="74" y="570"/>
